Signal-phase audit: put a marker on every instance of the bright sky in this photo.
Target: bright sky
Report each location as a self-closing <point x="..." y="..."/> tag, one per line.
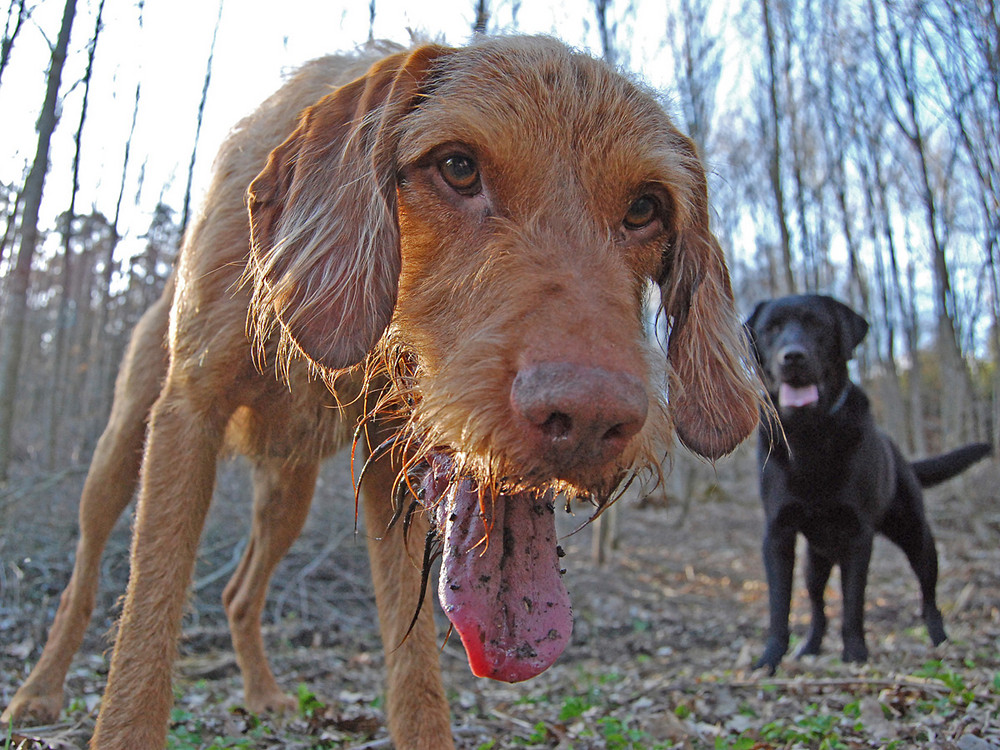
<point x="258" y="41"/>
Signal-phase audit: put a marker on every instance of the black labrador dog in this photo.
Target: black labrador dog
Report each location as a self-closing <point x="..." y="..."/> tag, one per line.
<point x="832" y="475"/>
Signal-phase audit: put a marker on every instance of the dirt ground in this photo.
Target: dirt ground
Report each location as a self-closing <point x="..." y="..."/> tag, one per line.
<point x="665" y="632"/>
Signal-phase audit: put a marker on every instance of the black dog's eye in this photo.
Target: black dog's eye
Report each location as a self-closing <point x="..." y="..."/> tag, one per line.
<point x="641" y="213"/>
<point x="461" y="173"/>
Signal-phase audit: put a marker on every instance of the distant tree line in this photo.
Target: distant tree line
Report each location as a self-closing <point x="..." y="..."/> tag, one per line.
<point x="861" y="159"/>
<point x="864" y="162"/>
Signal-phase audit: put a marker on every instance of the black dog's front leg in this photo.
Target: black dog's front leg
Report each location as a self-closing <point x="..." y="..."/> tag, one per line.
<point x="818" y="569"/>
<point x="779" y="563"/>
<point x="854" y="577"/>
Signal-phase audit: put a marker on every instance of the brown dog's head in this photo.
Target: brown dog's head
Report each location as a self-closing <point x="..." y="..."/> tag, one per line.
<point x="487" y="222"/>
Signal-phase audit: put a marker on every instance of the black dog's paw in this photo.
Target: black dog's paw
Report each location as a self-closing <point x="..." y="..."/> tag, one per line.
<point x="938" y="636"/>
<point x="935" y="629"/>
<point x="769" y="669"/>
<point x="810" y="648"/>
<point x="855" y="651"/>
<point x="773" y="652"/>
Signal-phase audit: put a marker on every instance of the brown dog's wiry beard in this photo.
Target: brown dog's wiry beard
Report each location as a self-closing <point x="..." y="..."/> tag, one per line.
<point x="472" y="445"/>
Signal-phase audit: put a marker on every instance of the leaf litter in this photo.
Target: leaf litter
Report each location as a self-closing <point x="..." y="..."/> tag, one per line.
<point x="664" y="635"/>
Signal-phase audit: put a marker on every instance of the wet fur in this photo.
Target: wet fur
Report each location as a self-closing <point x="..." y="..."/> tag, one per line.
<point x="368" y="297"/>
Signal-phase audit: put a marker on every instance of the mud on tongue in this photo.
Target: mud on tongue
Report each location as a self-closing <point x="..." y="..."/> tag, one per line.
<point x="499" y="584"/>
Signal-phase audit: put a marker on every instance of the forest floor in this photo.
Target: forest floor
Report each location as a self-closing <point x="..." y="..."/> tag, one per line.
<point x="665" y="633"/>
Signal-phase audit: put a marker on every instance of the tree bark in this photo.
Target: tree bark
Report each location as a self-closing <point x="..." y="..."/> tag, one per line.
<point x="774" y="167"/>
<point x="185" y="214"/>
<point x="482" y="17"/>
<point x="17" y="293"/>
<point x="57" y="390"/>
<point x="605" y="32"/>
<point x="11" y="29"/>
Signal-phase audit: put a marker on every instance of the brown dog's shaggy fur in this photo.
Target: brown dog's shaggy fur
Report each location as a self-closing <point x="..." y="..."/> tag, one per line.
<point x="452" y="247"/>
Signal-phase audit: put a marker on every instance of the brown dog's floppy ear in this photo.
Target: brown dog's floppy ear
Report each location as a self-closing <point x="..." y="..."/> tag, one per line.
<point x="714" y="392"/>
<point x="324" y="257"/>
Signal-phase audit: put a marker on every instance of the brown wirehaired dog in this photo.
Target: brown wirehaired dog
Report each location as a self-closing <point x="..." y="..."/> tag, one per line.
<point x="453" y="248"/>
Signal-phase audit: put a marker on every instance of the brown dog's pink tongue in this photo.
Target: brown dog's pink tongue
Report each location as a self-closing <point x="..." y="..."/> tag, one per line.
<point x="504" y="593"/>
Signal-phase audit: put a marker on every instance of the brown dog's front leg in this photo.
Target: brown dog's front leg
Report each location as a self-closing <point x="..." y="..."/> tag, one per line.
<point x="177" y="480"/>
<point x="107" y="491"/>
<point x="416" y="705"/>
<point x="110" y="485"/>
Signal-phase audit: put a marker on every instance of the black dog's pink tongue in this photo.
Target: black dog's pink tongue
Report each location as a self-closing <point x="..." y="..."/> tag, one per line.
<point x="789" y="395"/>
<point x="500" y="584"/>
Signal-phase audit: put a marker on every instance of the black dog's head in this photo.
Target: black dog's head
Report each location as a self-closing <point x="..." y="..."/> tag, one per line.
<point x="803" y="344"/>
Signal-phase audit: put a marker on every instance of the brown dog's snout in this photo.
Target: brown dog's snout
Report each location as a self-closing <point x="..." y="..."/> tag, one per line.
<point x="578" y="415"/>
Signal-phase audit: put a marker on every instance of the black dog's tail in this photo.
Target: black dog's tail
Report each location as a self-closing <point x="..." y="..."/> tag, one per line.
<point x="935" y="470"/>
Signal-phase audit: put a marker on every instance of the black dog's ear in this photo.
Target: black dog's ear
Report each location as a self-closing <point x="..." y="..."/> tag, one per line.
<point x="750" y="326"/>
<point x="853" y="328"/>
<point x="751" y="322"/>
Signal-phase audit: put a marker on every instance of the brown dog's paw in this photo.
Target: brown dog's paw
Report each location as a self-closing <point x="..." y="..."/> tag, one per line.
<point x="27" y="710"/>
<point x="271" y="703"/>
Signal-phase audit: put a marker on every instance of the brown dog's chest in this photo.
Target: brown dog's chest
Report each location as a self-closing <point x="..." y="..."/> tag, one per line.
<point x="301" y="421"/>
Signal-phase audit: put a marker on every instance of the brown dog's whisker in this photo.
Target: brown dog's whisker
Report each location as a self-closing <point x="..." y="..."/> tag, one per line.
<point x="405" y="471"/>
<point x="447" y="636"/>
<point x="380" y="452"/>
<point x="486" y="518"/>
<point x="432" y="550"/>
<point x="408" y="518"/>
<point x="433" y="533"/>
<point x="355" y="481"/>
<point x="400" y="490"/>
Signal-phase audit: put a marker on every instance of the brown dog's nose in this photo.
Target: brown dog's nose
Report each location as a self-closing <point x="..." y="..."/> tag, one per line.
<point x="579" y="415"/>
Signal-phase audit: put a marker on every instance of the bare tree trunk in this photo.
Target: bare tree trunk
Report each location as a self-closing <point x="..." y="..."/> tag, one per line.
<point x="185" y="214"/>
<point x="836" y="140"/>
<point x="57" y="389"/>
<point x="892" y="296"/>
<point x="968" y="64"/>
<point x="17" y="293"/>
<point x="10" y="230"/>
<point x="605" y="32"/>
<point x="797" y="125"/>
<point x="891" y="392"/>
<point x="11" y="29"/>
<point x="699" y="67"/>
<point x="906" y="304"/>
<point x="482" y="17"/>
<point x="774" y="169"/>
<point x="897" y="69"/>
<point x="605" y="525"/>
<point x="101" y="367"/>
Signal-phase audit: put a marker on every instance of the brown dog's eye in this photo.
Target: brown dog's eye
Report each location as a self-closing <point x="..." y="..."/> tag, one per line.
<point x="461" y="173"/>
<point x="641" y="213"/>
